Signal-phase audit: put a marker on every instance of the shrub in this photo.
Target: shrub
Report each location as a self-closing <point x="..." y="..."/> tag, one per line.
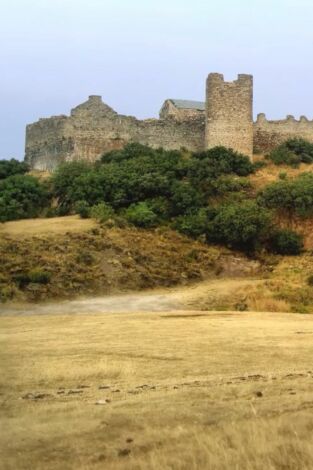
<point x="293" y="152"/>
<point x="282" y="156"/>
<point x="101" y="212"/>
<point x="192" y="225"/>
<point x="224" y="185"/>
<point x="35" y="276"/>
<point x="185" y="198"/>
<point x="22" y="196"/>
<point x="310" y="280"/>
<point x="286" y="242"/>
<point x="290" y="196"/>
<point x="64" y="183"/>
<point x="160" y="206"/>
<point x="225" y="160"/>
<point x="241" y="225"/>
<point x="131" y="150"/>
<point x="85" y="258"/>
<point x="141" y="215"/>
<point x="83" y="209"/>
<point x="38" y="276"/>
<point x="12" y="167"/>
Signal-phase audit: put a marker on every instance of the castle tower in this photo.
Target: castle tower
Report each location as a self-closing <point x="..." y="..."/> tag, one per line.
<point x="229" y="119"/>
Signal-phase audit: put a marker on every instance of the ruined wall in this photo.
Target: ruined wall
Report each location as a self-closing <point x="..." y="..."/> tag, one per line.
<point x="48" y="142"/>
<point x="229" y="120"/>
<point x="269" y="134"/>
<point x="94" y="128"/>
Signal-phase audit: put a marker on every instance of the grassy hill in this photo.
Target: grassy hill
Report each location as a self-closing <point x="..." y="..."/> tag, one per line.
<point x="79" y="257"/>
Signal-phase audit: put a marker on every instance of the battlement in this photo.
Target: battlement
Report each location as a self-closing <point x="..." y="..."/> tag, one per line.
<point x="269" y="133"/>
<point x="219" y="78"/>
<point x="261" y="119"/>
<point x="229" y="119"/>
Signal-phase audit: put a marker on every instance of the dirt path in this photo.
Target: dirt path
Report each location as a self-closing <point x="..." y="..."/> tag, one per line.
<point x="194" y="297"/>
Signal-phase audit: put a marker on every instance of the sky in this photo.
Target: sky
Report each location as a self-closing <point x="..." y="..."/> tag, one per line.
<point x="137" y="53"/>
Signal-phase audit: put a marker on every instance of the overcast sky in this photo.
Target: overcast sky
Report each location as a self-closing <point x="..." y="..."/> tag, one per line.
<point x="137" y="53"/>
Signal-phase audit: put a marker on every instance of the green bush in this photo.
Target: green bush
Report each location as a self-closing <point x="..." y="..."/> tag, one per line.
<point x="221" y="160"/>
<point x="292" y="152"/>
<point x="12" y="167"/>
<point x="292" y="197"/>
<point x="131" y="150"/>
<point x="185" y="198"/>
<point x="65" y="182"/>
<point x="282" y="156"/>
<point x="35" y="276"/>
<point x="101" y="212"/>
<point x="286" y="242"/>
<point x="141" y="215"/>
<point x="83" y="209"/>
<point x="21" y="197"/>
<point x="192" y="225"/>
<point x="243" y="225"/>
<point x="226" y="185"/>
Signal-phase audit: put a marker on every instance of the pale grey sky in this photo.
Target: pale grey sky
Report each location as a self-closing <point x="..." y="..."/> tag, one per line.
<point x="136" y="53"/>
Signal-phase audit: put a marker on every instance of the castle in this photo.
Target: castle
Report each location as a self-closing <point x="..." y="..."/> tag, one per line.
<point x="226" y="118"/>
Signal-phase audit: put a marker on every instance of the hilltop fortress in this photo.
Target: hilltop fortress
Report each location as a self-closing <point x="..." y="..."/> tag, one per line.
<point x="226" y="118"/>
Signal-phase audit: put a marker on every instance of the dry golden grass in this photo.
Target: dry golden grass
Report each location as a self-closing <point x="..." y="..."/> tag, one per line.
<point x="50" y="226"/>
<point x="271" y="172"/>
<point x="188" y="390"/>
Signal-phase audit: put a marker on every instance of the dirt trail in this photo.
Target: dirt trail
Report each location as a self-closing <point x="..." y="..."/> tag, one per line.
<point x="160" y="300"/>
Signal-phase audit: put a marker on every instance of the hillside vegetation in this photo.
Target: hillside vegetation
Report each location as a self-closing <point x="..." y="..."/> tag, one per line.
<point x="208" y="194"/>
<point x="138" y="199"/>
<point x="81" y="260"/>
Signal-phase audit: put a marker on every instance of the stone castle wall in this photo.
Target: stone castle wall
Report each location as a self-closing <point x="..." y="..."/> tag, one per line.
<point x="229" y="120"/>
<point x="269" y="134"/>
<point x="94" y="128"/>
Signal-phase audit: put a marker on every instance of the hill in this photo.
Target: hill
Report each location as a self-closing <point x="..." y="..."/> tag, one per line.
<point x="67" y="257"/>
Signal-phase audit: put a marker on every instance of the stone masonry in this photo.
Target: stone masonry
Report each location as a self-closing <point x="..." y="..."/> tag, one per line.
<point x="93" y="128"/>
<point x="229" y="120"/>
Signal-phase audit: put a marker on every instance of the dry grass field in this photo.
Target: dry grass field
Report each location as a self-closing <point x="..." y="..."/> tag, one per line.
<point x="163" y="390"/>
<point x="50" y="226"/>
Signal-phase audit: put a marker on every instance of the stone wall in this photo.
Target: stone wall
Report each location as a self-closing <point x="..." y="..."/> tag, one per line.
<point x="229" y="120"/>
<point x="269" y="134"/>
<point x="94" y="128"/>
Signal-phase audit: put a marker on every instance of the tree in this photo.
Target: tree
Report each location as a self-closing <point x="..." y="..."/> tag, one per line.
<point x="64" y="182"/>
<point x="22" y="196"/>
<point x="12" y="167"/>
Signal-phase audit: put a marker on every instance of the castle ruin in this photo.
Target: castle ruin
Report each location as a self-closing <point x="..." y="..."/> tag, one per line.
<point x="226" y="118"/>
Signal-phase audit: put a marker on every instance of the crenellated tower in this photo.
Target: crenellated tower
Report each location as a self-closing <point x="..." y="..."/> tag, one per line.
<point x="229" y="118"/>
